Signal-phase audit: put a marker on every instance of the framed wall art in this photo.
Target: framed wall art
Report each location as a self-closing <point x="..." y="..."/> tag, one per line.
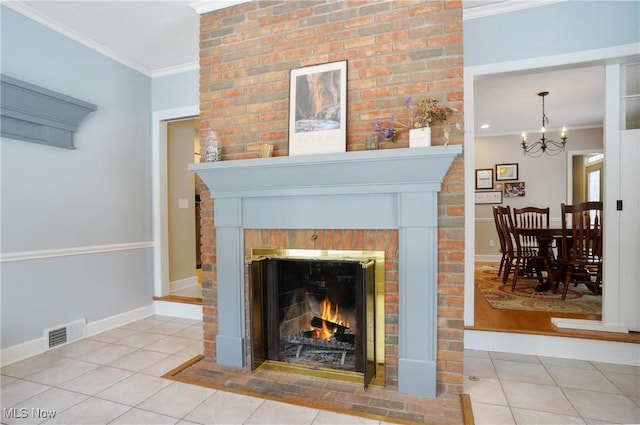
<point x="506" y="172"/>
<point x="489" y="197"/>
<point x="318" y="109"/>
<point x="484" y="178"/>
<point x="514" y="189"/>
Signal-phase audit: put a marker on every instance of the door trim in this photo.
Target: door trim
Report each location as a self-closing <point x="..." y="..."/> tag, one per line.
<point x="160" y="193"/>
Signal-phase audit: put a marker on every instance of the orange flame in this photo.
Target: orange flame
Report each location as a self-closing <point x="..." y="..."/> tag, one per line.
<point x="330" y="315"/>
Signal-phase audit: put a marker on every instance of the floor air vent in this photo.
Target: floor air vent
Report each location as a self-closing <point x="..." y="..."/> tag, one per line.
<point x="63" y="334"/>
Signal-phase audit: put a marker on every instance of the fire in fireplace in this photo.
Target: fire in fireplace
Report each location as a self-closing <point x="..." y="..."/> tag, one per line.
<point x="315" y="311"/>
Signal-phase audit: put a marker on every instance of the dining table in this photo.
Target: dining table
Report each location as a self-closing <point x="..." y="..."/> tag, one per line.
<point x="545" y="237"/>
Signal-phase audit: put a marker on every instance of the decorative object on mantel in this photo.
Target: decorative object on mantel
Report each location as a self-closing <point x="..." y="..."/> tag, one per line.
<point x="318" y="109"/>
<point x="212" y="153"/>
<point x="544" y="145"/>
<point x="427" y="112"/>
<point x="266" y="150"/>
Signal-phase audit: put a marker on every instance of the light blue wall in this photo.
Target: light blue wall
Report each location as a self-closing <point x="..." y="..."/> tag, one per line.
<point x="564" y="27"/>
<point x="176" y="91"/>
<point x="55" y="199"/>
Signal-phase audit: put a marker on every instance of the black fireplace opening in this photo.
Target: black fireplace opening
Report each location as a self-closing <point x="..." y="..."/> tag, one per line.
<point x="314" y="313"/>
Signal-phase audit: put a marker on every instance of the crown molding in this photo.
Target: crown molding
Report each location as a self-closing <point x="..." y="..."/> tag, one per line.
<point x="206" y="6"/>
<point x="190" y="66"/>
<point x="503" y="7"/>
<point x="30" y="13"/>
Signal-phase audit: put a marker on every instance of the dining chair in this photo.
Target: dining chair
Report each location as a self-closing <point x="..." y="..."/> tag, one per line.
<point x="581" y="256"/>
<point x="531" y="218"/>
<point x="501" y="241"/>
<point x="517" y="254"/>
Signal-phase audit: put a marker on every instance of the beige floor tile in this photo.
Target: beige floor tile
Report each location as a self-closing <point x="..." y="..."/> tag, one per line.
<point x="545" y="398"/>
<point x="177" y="399"/>
<point x="90" y="411"/>
<point x="169" y="344"/>
<point x="96" y="380"/>
<point x="46" y="405"/>
<point x="29" y="366"/>
<point x="191" y="350"/>
<point x="554" y="361"/>
<point x="114" y="335"/>
<point x="142" y="325"/>
<point x="273" y="412"/>
<point x="166" y="365"/>
<point x="486" y="390"/>
<point x="514" y="357"/>
<point x="138" y="360"/>
<point x="62" y="371"/>
<point x="533" y="373"/>
<point x="224" y="408"/>
<point x="18" y="391"/>
<point x="168" y="328"/>
<point x="141" y="339"/>
<point x="592" y="380"/>
<point x="490" y="414"/>
<point x="134" y="389"/>
<point x="143" y="417"/>
<point x="618" y="368"/>
<point x="628" y="384"/>
<point x="480" y="367"/>
<point x="615" y="408"/>
<point x="78" y="348"/>
<point x="193" y="332"/>
<point x="4" y="380"/>
<point x="476" y="353"/>
<point x="106" y="354"/>
<point x="534" y="417"/>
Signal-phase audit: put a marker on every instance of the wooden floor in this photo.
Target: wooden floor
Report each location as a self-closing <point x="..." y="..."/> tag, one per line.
<point x="534" y="322"/>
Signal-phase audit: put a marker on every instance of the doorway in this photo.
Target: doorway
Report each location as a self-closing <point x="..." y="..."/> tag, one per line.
<point x="183" y="193"/>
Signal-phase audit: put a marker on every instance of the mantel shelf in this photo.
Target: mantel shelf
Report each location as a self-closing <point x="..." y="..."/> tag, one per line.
<point x="374" y="171"/>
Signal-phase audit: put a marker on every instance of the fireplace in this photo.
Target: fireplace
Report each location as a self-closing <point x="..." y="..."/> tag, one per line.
<point x="318" y="312"/>
<point x="392" y="189"/>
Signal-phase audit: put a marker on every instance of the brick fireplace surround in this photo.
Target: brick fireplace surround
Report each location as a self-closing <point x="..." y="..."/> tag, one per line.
<point x="283" y="202"/>
<point x="394" y="49"/>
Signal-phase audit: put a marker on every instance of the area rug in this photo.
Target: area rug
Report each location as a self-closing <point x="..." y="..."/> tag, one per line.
<point x="579" y="298"/>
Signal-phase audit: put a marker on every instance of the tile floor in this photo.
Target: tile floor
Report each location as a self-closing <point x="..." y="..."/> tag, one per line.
<point x="520" y="389"/>
<point x="115" y="378"/>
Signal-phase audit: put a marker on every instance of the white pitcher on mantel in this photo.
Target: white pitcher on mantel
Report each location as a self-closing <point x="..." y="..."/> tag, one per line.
<point x="420" y="137"/>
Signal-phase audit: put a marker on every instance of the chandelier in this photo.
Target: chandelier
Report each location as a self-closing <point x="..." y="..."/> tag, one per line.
<point x="544" y="145"/>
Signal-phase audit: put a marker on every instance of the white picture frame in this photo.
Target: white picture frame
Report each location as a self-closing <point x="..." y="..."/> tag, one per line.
<point x="318" y="109"/>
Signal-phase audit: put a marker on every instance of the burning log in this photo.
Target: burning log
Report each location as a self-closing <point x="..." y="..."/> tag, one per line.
<point x="332" y="327"/>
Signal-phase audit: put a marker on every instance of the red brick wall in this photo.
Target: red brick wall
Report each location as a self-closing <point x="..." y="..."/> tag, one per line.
<point x="394" y="49"/>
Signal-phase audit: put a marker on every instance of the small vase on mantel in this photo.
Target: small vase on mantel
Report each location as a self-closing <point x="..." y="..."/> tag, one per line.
<point x="420" y="137"/>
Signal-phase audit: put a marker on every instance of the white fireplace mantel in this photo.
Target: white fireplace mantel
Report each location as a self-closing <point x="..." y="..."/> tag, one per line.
<point x="378" y="189"/>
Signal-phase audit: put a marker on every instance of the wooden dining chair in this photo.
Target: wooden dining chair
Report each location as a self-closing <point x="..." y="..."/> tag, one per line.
<point x="517" y="254"/>
<point x="531" y="218"/>
<point x="501" y="241"/>
<point x="581" y="256"/>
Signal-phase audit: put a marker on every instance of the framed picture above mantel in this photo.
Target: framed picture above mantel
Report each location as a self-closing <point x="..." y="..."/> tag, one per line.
<point x="318" y="109"/>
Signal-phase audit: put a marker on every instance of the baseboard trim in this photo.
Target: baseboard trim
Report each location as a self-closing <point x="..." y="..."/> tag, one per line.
<point x="178" y="309"/>
<point x="37" y="346"/>
<point x="178" y="285"/>
<point x="588" y="325"/>
<point x="553" y="346"/>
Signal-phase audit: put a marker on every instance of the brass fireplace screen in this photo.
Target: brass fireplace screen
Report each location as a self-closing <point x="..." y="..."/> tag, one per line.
<point x="319" y="312"/>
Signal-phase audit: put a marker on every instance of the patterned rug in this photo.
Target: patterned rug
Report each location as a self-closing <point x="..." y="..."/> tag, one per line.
<point x="579" y="299"/>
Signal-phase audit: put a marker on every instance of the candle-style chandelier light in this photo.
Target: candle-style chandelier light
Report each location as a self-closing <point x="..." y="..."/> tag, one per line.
<point x="544" y="145"/>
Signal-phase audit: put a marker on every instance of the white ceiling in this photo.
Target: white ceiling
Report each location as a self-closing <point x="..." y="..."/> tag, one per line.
<point x="161" y="37"/>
